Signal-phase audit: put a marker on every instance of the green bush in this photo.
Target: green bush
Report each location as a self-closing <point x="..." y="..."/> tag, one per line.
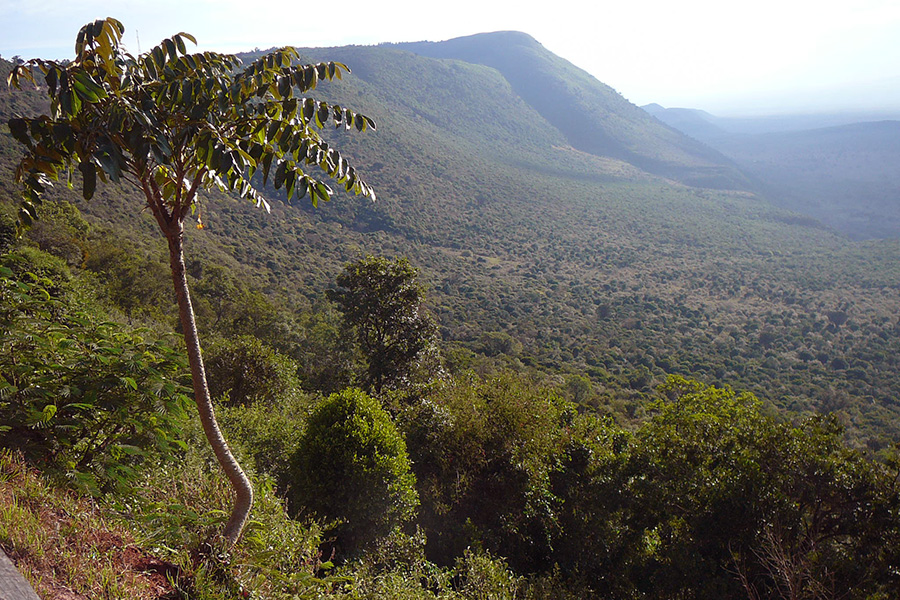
<point x="266" y="435"/>
<point x="483" y="453"/>
<point x="80" y="395"/>
<point x="352" y="467"/>
<point x="243" y="370"/>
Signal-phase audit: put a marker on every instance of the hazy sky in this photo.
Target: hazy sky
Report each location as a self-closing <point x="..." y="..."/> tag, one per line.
<point x="765" y="56"/>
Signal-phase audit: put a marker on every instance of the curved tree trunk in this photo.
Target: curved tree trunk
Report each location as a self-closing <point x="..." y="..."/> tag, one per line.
<point x="239" y="481"/>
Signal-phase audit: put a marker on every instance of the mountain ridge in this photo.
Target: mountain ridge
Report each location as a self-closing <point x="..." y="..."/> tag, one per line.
<point x="843" y="175"/>
<point x="593" y="117"/>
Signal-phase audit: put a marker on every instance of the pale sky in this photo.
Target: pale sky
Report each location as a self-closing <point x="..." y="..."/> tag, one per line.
<point x="760" y="57"/>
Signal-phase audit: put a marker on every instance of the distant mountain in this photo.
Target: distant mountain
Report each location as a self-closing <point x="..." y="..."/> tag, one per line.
<point x="685" y="119"/>
<point x="846" y="176"/>
<point x="592" y="116"/>
<point x="698" y="124"/>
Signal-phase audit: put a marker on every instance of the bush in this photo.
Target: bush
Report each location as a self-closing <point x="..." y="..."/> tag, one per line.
<point x="88" y="397"/>
<point x="352" y="467"/>
<point x="267" y="435"/>
<point x="244" y="371"/>
<point x="483" y="453"/>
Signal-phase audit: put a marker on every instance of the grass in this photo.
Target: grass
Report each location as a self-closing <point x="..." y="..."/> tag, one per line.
<point x="65" y="547"/>
<point x="70" y="547"/>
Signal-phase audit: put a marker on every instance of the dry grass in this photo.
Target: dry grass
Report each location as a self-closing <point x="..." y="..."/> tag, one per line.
<point x="65" y="548"/>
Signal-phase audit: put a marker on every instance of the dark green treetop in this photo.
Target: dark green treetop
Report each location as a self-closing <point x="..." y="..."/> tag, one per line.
<point x="382" y="299"/>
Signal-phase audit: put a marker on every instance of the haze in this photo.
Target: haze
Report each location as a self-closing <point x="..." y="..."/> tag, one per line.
<point x="766" y="57"/>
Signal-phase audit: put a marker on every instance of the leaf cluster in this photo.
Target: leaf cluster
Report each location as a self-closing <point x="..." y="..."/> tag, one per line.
<point x="86" y="397"/>
<point x="174" y="123"/>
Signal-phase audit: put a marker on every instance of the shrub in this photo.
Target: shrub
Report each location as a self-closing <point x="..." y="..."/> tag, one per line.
<point x="352" y="467"/>
<point x="89" y="397"/>
<point x="244" y="370"/>
<point x="483" y="453"/>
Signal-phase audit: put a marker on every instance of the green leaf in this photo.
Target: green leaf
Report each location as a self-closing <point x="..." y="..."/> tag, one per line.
<point x="52" y="79"/>
<point x="89" y="178"/>
<point x="171" y="50"/>
<point x="87" y="87"/>
<point x="48" y="413"/>
<point x="19" y="129"/>
<point x="189" y="37"/>
<point x="284" y="86"/>
<point x="322" y="114"/>
<point x="309" y="110"/>
<point x="280" y="174"/>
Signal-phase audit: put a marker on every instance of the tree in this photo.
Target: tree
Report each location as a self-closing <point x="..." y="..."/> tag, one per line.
<point x="383" y="301"/>
<point x="173" y="124"/>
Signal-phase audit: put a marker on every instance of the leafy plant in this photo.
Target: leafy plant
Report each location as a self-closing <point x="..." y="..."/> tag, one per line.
<point x="243" y="371"/>
<point x="88" y="397"/>
<point x="351" y="466"/>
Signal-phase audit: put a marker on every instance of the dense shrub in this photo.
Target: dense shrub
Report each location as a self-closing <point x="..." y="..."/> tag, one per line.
<point x="483" y="452"/>
<point x="243" y="370"/>
<point x="79" y="394"/>
<point x="351" y="466"/>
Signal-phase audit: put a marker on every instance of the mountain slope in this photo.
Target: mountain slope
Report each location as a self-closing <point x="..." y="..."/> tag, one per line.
<point x="591" y="265"/>
<point x="698" y="124"/>
<point x="846" y="176"/>
<point x="593" y="117"/>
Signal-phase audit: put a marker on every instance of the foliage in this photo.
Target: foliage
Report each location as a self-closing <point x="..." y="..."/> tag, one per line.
<point x="227" y="305"/>
<point x="715" y="499"/>
<point x="243" y="370"/>
<point x="177" y="122"/>
<point x="352" y="466"/>
<point x="267" y="434"/>
<point x="132" y="280"/>
<point x="483" y="453"/>
<point x="88" y="397"/>
<point x="382" y="300"/>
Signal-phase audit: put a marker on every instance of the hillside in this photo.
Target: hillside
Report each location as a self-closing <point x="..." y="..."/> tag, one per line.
<point x="593" y="266"/>
<point x="580" y="424"/>
<point x="698" y="124"/>
<point x="843" y="175"/>
<point x="592" y="116"/>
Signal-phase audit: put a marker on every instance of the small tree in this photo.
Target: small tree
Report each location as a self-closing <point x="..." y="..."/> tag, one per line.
<point x="382" y="300"/>
<point x="351" y="465"/>
<point x="173" y="124"/>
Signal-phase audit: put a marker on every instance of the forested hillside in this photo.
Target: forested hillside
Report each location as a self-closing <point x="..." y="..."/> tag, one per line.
<point x="599" y="282"/>
<point x="591" y="266"/>
<point x="597" y="268"/>
<point x="592" y="116"/>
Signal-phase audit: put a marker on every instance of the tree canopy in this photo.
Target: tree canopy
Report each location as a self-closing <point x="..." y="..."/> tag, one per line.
<point x="381" y="298"/>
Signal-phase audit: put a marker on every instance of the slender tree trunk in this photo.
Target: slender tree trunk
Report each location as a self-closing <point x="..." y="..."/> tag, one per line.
<point x="239" y="481"/>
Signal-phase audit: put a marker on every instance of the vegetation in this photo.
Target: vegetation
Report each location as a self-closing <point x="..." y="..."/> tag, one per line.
<point x="382" y="301"/>
<point x="579" y="437"/>
<point x="351" y="466"/>
<point x="172" y="124"/>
